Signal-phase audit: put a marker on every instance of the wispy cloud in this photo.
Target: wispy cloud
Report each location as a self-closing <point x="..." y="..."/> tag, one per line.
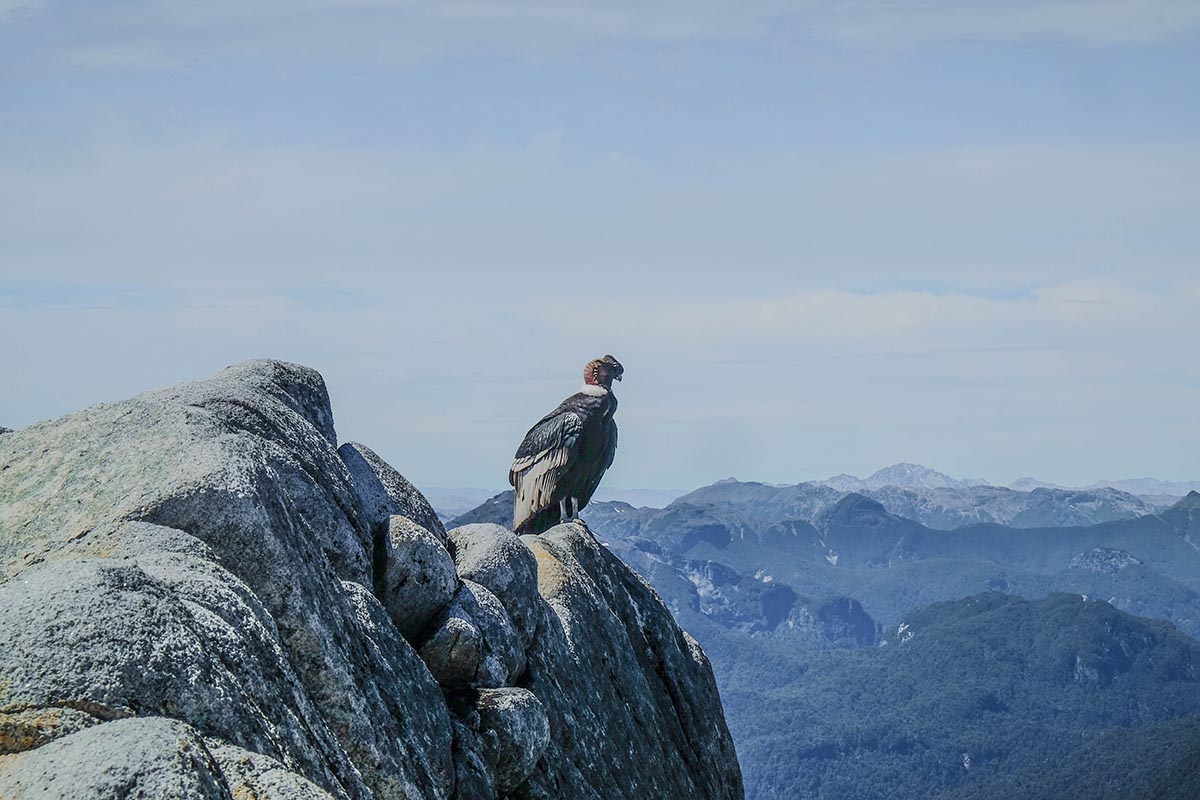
<point x="992" y="219"/>
<point x="59" y="296"/>
<point x="880" y="23"/>
<point x="400" y="30"/>
<point x="9" y="8"/>
<point x="1066" y="314"/>
<point x="119" y="56"/>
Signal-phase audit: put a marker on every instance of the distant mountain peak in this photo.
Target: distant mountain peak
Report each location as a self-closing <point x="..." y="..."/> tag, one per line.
<point x="913" y="475"/>
<point x="1149" y="486"/>
<point x="853" y="509"/>
<point x="844" y="482"/>
<point x="1028" y="484"/>
<point x="856" y="499"/>
<point x="1189" y="502"/>
<point x="904" y="475"/>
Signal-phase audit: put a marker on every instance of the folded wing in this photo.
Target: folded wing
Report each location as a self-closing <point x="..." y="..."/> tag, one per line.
<point x="541" y="461"/>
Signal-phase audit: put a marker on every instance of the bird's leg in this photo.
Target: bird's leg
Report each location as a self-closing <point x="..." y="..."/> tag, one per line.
<point x="562" y="510"/>
<point x="575" y="515"/>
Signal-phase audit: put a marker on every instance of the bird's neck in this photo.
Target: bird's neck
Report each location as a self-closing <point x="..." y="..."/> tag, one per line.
<point x="593" y="389"/>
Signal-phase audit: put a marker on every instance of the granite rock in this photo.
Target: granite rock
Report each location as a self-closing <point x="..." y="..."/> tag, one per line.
<point x="475" y="643"/>
<point x="148" y="757"/>
<point x="419" y="579"/>
<point x="385" y="492"/>
<point x="631" y="700"/>
<point x="515" y="721"/>
<point x="495" y="557"/>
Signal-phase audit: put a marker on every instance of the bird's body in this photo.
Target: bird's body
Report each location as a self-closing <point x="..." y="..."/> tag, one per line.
<point x="563" y="457"/>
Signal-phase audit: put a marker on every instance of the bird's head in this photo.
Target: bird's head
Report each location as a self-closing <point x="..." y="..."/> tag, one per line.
<point x="602" y="372"/>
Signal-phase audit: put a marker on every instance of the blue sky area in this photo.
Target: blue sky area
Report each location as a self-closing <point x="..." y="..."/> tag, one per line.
<point x="822" y="237"/>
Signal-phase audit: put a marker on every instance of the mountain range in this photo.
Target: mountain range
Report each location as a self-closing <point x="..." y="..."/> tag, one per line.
<point x="1145" y="487"/>
<point x="917" y="476"/>
<point x="913" y="476"/>
<point x="452" y="502"/>
<point x="940" y="507"/>
<point x="909" y="490"/>
<point x="865" y="652"/>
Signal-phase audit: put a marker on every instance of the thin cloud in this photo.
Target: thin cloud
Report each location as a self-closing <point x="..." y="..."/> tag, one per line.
<point x="288" y="214"/>
<point x="1095" y="308"/>
<point x="11" y="8"/>
<point x="125" y="57"/>
<point x="878" y="23"/>
<point x="399" y="30"/>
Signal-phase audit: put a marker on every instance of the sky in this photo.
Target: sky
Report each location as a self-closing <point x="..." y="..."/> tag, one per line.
<point x="822" y="237"/>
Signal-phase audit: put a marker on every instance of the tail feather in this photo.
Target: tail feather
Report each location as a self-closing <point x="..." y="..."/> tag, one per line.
<point x="538" y="522"/>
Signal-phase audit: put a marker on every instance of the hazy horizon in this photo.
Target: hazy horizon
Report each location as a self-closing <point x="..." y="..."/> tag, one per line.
<point x="606" y="488"/>
<point x="821" y="239"/>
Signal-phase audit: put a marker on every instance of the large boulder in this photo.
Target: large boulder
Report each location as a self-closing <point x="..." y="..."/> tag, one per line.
<point x="631" y="700"/>
<point x="475" y="644"/>
<point x="149" y="757"/>
<point x="499" y="735"/>
<point x="495" y="557"/>
<point x="129" y="758"/>
<point x="186" y="553"/>
<point x="516" y="725"/>
<point x="203" y="647"/>
<point x="253" y="776"/>
<point x="418" y="580"/>
<point x="247" y="451"/>
<point x="385" y="492"/>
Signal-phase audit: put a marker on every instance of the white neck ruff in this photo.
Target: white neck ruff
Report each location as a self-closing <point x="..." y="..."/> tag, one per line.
<point x="593" y="390"/>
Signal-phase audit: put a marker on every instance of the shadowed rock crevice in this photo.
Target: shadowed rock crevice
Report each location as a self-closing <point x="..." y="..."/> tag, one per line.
<point x="379" y="556"/>
<point x="202" y="595"/>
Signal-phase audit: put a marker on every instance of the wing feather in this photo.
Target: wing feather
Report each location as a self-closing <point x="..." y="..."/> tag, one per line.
<point x="541" y="460"/>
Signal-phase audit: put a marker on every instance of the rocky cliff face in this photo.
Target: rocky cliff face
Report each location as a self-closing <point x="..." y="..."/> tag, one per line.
<point x="201" y="595"/>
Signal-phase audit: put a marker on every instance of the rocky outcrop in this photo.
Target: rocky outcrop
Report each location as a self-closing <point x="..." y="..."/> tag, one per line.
<point x="601" y="626"/>
<point x="201" y="595"/>
<point x="475" y="644"/>
<point x="496" y="558"/>
<point x="1106" y="560"/>
<point x="516" y="722"/>
<point x="418" y="579"/>
<point x="385" y="492"/>
<point x="151" y="757"/>
<point x="840" y="621"/>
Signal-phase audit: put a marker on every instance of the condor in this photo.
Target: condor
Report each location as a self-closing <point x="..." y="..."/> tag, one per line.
<point x="563" y="457"/>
